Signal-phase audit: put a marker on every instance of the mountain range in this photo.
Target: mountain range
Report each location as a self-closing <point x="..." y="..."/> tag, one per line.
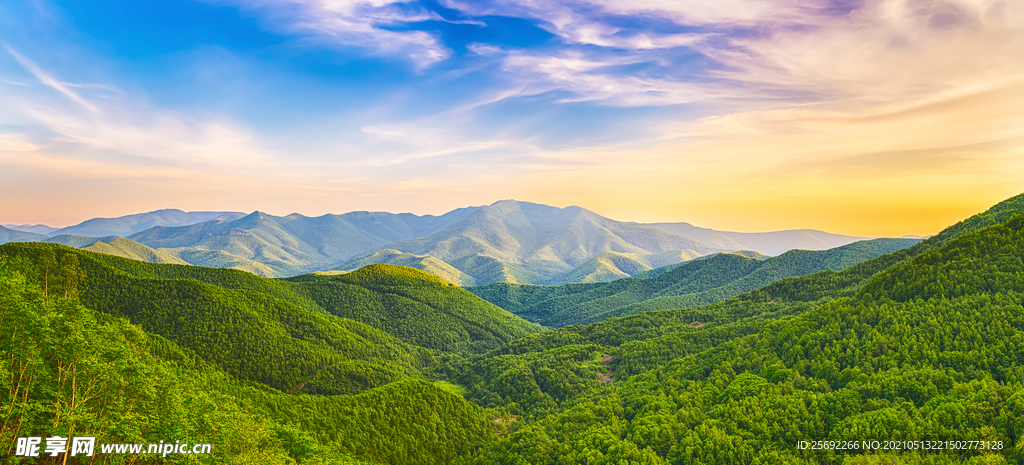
<point x="391" y="365"/>
<point x="768" y="243"/>
<point x="507" y="241"/>
<point x="701" y="281"/>
<point x="127" y="225"/>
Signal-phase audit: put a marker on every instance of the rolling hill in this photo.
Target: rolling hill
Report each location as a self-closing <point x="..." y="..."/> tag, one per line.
<point x="920" y="344"/>
<point x="11" y="235"/>
<point x="768" y="243"/>
<point x="128" y="248"/>
<point x="610" y="266"/>
<point x="92" y="372"/>
<point x="690" y="284"/>
<point x="426" y="263"/>
<point x="417" y="307"/>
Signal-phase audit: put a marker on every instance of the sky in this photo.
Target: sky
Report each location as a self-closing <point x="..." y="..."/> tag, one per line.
<point x="863" y="117"/>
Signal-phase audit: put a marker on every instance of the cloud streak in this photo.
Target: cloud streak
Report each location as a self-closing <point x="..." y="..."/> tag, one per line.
<point x="775" y="113"/>
<point x="355" y="23"/>
<point x="48" y="80"/>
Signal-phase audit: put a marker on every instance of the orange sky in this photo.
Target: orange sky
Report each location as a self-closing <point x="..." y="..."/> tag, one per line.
<point x="886" y="120"/>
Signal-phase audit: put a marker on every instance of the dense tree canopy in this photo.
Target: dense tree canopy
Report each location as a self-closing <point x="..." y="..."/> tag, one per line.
<point x="389" y="365"/>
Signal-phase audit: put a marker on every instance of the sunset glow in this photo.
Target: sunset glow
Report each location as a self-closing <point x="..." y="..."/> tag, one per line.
<point x="869" y="118"/>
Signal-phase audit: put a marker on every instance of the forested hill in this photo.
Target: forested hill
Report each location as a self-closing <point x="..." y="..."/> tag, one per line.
<point x="415" y="307"/>
<point x="929" y="349"/>
<point x="690" y="284"/>
<point x="925" y="343"/>
<point x="70" y="371"/>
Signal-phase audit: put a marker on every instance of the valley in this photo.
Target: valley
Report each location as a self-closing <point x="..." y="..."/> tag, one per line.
<point x="887" y="339"/>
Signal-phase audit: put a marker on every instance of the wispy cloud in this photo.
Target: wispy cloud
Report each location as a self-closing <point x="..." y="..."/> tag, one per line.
<point x="875" y="50"/>
<point x="121" y="130"/>
<point x="598" y="79"/>
<point x="355" y="23"/>
<point x="49" y="80"/>
<point x="771" y="111"/>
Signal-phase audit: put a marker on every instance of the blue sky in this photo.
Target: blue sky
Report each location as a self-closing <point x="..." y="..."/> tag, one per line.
<point x="868" y="117"/>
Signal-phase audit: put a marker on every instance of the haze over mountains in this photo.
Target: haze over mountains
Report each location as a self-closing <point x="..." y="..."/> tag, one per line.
<point x="700" y="281"/>
<point x="12" y="235"/>
<point x="507" y="241"/>
<point x="391" y="365"/>
<point x="126" y="225"/>
<point x="768" y="243"/>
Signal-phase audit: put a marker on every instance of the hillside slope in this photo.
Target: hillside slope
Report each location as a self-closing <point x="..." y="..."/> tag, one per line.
<point x="929" y="349"/>
<point x="128" y="248"/>
<point x="697" y="282"/>
<point x="426" y="263"/>
<point x="277" y="333"/>
<point x="126" y="225"/>
<point x="768" y="243"/>
<point x="511" y="241"/>
<point x="83" y="372"/>
<point x="11" y="235"/>
<point x="417" y="307"/>
<point x="609" y="266"/>
<point x="292" y="244"/>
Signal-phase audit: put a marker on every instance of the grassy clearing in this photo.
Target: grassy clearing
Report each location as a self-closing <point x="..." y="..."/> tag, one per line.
<point x="451" y="387"/>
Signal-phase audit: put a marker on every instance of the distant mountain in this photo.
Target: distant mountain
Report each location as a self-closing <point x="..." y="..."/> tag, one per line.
<point x="32" y="228"/>
<point x="507" y="241"/>
<point x="127" y="225"/>
<point x="665" y="269"/>
<point x="697" y="282"/>
<point x="768" y="243"/>
<point x="292" y="244"/>
<point x="610" y="266"/>
<point x="128" y="248"/>
<point x="114" y="245"/>
<point x="511" y="241"/>
<point x="220" y="259"/>
<point x="426" y="263"/>
<point x="77" y="242"/>
<point x="11" y="235"/>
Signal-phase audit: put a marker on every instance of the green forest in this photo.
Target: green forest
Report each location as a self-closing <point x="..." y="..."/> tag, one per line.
<point x="903" y="343"/>
<point x="688" y="284"/>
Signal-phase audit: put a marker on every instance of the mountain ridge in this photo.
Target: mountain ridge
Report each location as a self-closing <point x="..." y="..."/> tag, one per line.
<point x="768" y="243"/>
<point x="701" y="281"/>
<point x="506" y="241"/>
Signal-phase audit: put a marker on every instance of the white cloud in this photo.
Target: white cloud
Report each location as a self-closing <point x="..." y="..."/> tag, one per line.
<point x="48" y="80"/>
<point x="117" y="131"/>
<point x="355" y="23"/>
<point x="876" y="52"/>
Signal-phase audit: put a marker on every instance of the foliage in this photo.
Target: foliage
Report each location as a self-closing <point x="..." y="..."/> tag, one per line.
<point x="926" y="343"/>
<point x="691" y="284"/>
<point x="70" y="371"/>
<point x="930" y="349"/>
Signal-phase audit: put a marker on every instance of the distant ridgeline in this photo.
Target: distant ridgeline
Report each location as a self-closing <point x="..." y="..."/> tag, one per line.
<point x="392" y="365"/>
<point x="508" y="241"/>
<point x="697" y="282"/>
